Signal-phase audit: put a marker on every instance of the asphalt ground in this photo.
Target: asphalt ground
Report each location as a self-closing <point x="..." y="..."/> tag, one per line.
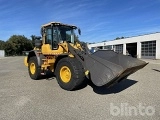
<point x="21" y="98"/>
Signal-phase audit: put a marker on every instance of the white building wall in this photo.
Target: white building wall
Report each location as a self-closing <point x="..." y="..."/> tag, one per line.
<point x="2" y="53"/>
<point x="137" y="39"/>
<point x="124" y="49"/>
<point x="138" y="49"/>
<point x="158" y="49"/>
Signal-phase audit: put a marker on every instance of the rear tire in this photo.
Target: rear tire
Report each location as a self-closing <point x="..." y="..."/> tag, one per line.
<point x="33" y="68"/>
<point x="69" y="73"/>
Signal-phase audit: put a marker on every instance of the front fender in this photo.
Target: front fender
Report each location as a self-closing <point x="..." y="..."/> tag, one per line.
<point x="37" y="55"/>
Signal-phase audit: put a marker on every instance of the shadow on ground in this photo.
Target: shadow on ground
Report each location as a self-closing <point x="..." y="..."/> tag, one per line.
<point x="156" y="70"/>
<point x="100" y="90"/>
<point x="114" y="89"/>
<point x="105" y="90"/>
<point x="49" y="76"/>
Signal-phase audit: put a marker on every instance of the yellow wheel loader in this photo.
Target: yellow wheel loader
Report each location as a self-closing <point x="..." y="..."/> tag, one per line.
<point x="71" y="61"/>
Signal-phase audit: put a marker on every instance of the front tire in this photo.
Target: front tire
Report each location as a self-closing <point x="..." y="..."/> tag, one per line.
<point x="33" y="68"/>
<point x="69" y="73"/>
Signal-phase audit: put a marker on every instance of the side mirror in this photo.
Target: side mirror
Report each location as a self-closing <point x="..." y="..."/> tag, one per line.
<point x="79" y="31"/>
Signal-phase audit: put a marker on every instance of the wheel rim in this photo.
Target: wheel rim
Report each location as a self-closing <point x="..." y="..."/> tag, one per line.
<point x="32" y="68"/>
<point x="65" y="74"/>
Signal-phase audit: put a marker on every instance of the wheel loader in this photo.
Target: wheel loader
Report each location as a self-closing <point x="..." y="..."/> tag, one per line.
<point x="71" y="61"/>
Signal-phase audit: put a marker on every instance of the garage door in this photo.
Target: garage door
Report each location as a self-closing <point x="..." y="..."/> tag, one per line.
<point x="148" y="50"/>
<point x="118" y="48"/>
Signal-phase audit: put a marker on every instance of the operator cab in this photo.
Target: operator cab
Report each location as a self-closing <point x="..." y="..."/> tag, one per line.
<point x="55" y="33"/>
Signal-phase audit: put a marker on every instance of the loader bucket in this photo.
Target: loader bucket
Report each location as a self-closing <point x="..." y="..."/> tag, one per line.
<point x="107" y="67"/>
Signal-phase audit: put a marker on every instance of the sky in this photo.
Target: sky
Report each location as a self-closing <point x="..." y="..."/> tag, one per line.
<point x="99" y="20"/>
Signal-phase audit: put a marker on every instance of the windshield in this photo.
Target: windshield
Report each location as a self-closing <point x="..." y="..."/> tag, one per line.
<point x="66" y="34"/>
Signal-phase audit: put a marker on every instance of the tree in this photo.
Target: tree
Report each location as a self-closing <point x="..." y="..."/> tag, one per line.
<point x="117" y="38"/>
<point x="33" y="38"/>
<point x="10" y="48"/>
<point x="17" y="44"/>
<point x="122" y="37"/>
<point x="2" y="44"/>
